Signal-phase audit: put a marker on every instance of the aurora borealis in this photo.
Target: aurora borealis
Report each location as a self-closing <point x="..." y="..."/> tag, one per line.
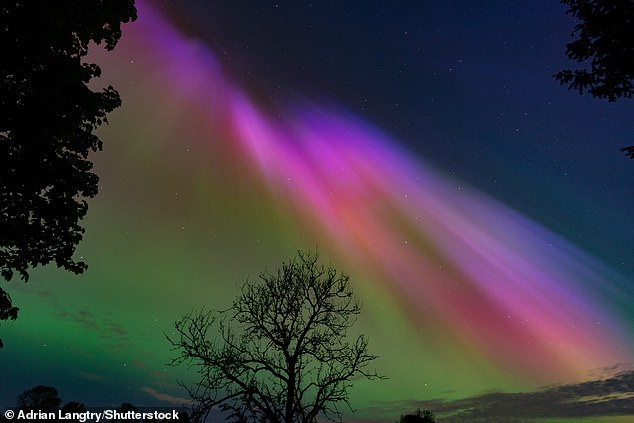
<point x="206" y="181"/>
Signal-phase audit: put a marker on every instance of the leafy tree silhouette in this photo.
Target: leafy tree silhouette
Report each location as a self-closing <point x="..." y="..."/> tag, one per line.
<point x="281" y="353"/>
<point x="606" y="41"/>
<point x="424" y="416"/>
<point x="47" y="117"/>
<point x="7" y="309"/>
<point x="606" y="38"/>
<point x="43" y="398"/>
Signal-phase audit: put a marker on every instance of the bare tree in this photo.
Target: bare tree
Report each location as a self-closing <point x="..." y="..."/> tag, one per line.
<point x="281" y="353"/>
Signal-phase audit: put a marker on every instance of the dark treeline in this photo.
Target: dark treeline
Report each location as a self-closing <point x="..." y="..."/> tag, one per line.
<point x="46" y="399"/>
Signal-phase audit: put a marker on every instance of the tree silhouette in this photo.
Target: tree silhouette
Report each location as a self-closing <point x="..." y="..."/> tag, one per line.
<point x="46" y="399"/>
<point x="7" y="309"/>
<point x="43" y="398"/>
<point x="424" y="416"/>
<point x="606" y="40"/>
<point x="281" y="353"/>
<point x="47" y="117"/>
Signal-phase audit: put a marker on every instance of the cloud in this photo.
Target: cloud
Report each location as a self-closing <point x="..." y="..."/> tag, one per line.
<point x="42" y="293"/>
<point x="93" y="377"/>
<point x="138" y="364"/>
<point x="83" y="318"/>
<point x="611" y="396"/>
<point x="166" y="397"/>
<point x="115" y="336"/>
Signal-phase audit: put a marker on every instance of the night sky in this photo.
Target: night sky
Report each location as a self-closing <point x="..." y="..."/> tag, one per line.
<point x="482" y="210"/>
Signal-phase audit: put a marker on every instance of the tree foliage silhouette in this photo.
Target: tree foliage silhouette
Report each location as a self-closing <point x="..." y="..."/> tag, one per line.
<point x="281" y="353"/>
<point x="424" y="416"/>
<point x="605" y="40"/>
<point x="7" y="309"/>
<point x="43" y="398"/>
<point x="72" y="409"/>
<point x="47" y="117"/>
